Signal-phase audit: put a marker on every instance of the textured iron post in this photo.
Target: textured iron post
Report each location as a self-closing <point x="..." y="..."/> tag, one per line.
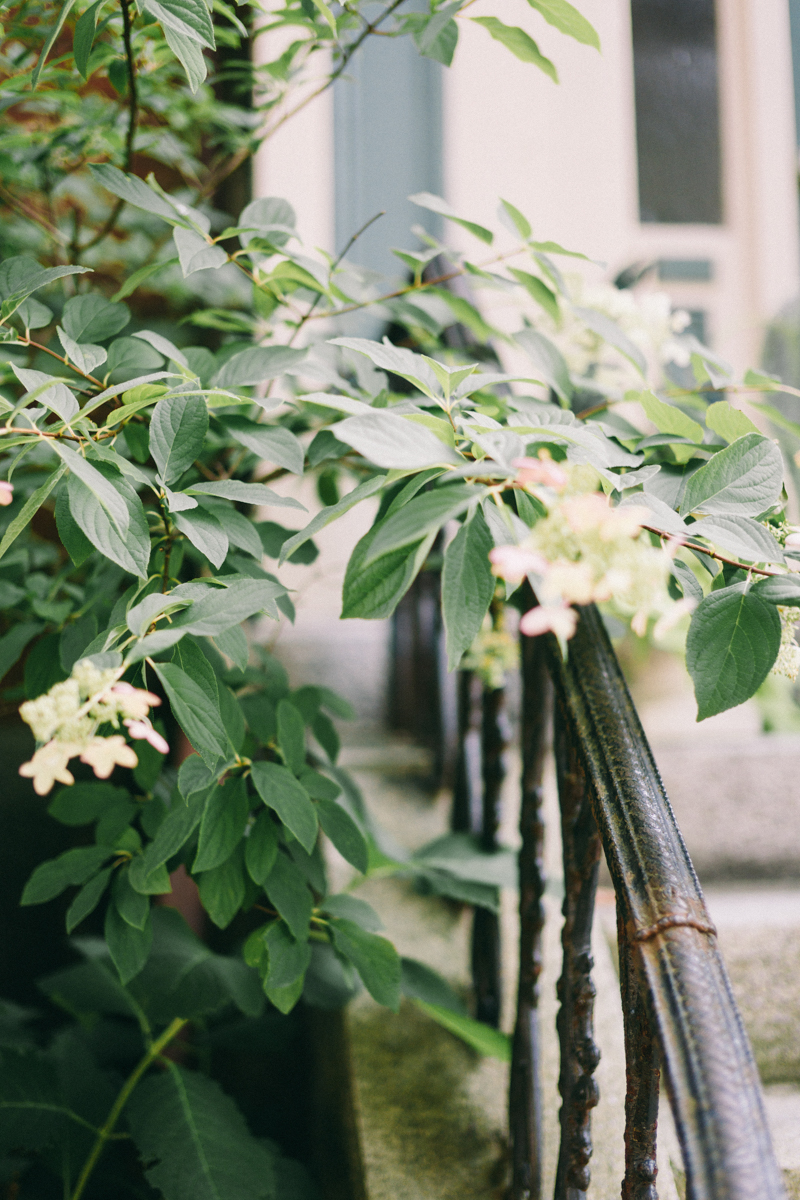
<point x="576" y="991"/>
<point x="468" y="784"/>
<point x="486" y="950"/>
<point x="525" y="1097"/>
<point x="711" y="1077"/>
<point x="642" y="1071"/>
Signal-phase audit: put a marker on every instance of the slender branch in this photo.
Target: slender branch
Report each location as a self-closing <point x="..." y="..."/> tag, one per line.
<point x="106" y="1132"/>
<point x="329" y="82"/>
<point x="133" y="113"/>
<point x="336" y="263"/>
<point x="731" y="562"/>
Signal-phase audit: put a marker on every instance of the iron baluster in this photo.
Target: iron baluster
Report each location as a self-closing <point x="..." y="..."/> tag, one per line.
<point x="642" y="1072"/>
<point x="525" y="1097"/>
<point x="486" y="949"/>
<point x="576" y="991"/>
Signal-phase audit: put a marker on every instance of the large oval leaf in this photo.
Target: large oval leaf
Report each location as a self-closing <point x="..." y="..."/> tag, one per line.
<point x="733" y="641"/>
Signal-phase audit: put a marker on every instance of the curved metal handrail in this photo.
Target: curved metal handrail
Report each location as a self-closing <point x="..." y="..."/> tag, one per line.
<point x="678" y="1008"/>
<point x="668" y="942"/>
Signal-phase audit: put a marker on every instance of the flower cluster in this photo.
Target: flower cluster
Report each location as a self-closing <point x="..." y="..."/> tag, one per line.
<point x="66" y="719"/>
<point x="788" y="661"/>
<point x="585" y="551"/>
<point x="493" y="652"/>
<point x="647" y="319"/>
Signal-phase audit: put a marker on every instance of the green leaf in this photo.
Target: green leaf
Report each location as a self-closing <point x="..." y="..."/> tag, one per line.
<point x="281" y="792"/>
<point x="131" y="549"/>
<point x="86" y="357"/>
<point x="134" y="190"/>
<point x="421" y="982"/>
<point x="234" y="644"/>
<point x="375" y="959"/>
<point x="105" y="493"/>
<point x="271" y="442"/>
<point x="222" y="889"/>
<point x="779" y="589"/>
<point x="175" y="830"/>
<point x="205" y="533"/>
<point x="568" y="20"/>
<point x="14" y="642"/>
<point x="728" y="421"/>
<point x="190" y="55"/>
<point x="87" y="899"/>
<point x="221" y="608"/>
<point x="73" y="539"/>
<point x="223" y="824"/>
<point x="188" y="17"/>
<point x="741" y="536"/>
<point x="261" y="848"/>
<point x="467" y="586"/>
<point x="177" y="431"/>
<point x="519" y="43"/>
<point x="744" y="479"/>
<point x="132" y="905"/>
<point x="374" y="591"/>
<point x="460" y="854"/>
<point x="83" y="37"/>
<point x="438" y="205"/>
<point x="487" y="1041"/>
<point x="425" y="514"/>
<point x="244" y="493"/>
<point x="521" y="223"/>
<point x="128" y="947"/>
<point x="33" y="1114"/>
<point x="344" y="833"/>
<point x="353" y="909"/>
<point x="197" y="1139"/>
<point x="84" y="802"/>
<point x="292" y="736"/>
<point x="548" y="361"/>
<point x="21" y="275"/>
<point x="149" y="883"/>
<point x="387" y="357"/>
<point x="323" y="518"/>
<point x="31" y="506"/>
<point x="195" y="253"/>
<point x="48" y="46"/>
<point x="198" y="715"/>
<point x="132" y="282"/>
<point x="538" y="291"/>
<point x="256" y="365"/>
<point x="288" y="958"/>
<point x="733" y="642"/>
<point x="90" y="317"/>
<point x="288" y="892"/>
<point x="669" y="419"/>
<point x="72" y="867"/>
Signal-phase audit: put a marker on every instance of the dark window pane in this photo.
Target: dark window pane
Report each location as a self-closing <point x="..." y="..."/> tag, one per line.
<point x="677" y="111"/>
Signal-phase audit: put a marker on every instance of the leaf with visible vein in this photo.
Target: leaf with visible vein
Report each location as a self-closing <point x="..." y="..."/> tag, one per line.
<point x="199" y="1143"/>
<point x="31" y="506"/>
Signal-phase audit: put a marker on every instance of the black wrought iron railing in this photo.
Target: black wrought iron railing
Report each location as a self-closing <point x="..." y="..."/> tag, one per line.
<point x="680" y="1017"/>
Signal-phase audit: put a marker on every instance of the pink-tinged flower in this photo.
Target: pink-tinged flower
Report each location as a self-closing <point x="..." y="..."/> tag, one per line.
<point x="143" y="729"/>
<point x="134" y="702"/>
<point x="515" y="562"/>
<point x="624" y="522"/>
<point x="548" y="618"/>
<point x="585" y="512"/>
<point x="569" y="583"/>
<point x="6" y="496"/>
<point x="670" y="619"/>
<point x="48" y="766"/>
<point x="103" y="754"/>
<point x="540" y="470"/>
